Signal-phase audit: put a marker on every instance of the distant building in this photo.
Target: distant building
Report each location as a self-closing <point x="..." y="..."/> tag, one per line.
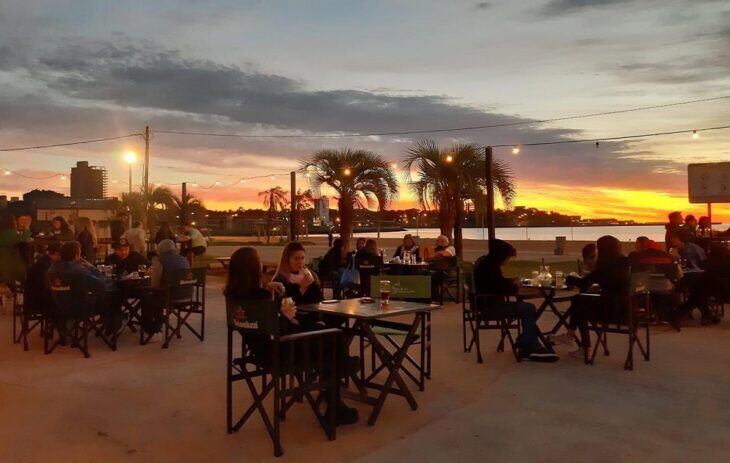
<point x="322" y="210"/>
<point x="88" y="182"/>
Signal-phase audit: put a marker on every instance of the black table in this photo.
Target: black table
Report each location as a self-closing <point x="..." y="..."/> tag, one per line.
<point x="364" y="316"/>
<point x="549" y="299"/>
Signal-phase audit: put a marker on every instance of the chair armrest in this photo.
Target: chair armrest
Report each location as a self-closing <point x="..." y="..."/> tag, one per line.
<point x="309" y="334"/>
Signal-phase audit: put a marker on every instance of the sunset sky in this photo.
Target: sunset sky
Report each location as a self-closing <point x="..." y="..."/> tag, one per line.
<point x="73" y="70"/>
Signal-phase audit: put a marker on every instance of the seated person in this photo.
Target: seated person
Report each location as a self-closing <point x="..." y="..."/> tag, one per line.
<point x="409" y="245"/>
<point x="245" y="281"/>
<point x="369" y="254"/>
<point x="673" y="227"/>
<point x="71" y="262"/>
<point x="300" y="283"/>
<point x="167" y="260"/>
<point x="648" y="252"/>
<point x="124" y="259"/>
<point x="691" y="254"/>
<point x="688" y="231"/>
<point x="588" y="262"/>
<point x="333" y="264"/>
<point x="443" y="249"/>
<point x="195" y="239"/>
<point x="488" y="279"/>
<point x="37" y="297"/>
<point x="612" y="276"/>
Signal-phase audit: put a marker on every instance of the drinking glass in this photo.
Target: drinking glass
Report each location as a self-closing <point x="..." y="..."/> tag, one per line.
<point x="385" y="291"/>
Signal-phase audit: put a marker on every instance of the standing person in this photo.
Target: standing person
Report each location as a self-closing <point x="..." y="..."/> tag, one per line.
<point x="300" y="283"/>
<point x="488" y="279"/>
<point x="197" y="241"/>
<point x="60" y="230"/>
<point x="86" y="236"/>
<point x="165" y="233"/>
<point x="333" y="264"/>
<point x="136" y="237"/>
<point x="673" y="227"/>
<point x="409" y="244"/>
<point x="360" y="243"/>
<point x="689" y="229"/>
<point x="118" y="226"/>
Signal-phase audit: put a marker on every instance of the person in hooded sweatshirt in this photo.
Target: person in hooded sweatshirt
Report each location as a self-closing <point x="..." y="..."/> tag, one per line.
<point x="488" y="279"/>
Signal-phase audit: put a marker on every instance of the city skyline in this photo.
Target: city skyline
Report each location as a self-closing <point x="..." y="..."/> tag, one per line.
<point x="266" y="68"/>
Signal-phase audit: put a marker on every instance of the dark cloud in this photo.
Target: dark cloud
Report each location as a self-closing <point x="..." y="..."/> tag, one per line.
<point x="483" y="5"/>
<point x="560" y="7"/>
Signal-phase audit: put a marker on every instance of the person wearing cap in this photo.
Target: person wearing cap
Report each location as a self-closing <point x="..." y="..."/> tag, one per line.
<point x="124" y="259"/>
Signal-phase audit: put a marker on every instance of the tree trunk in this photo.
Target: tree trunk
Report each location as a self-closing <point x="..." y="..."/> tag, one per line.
<point x="458" y="238"/>
<point x="346" y="216"/>
<point x="446" y="219"/>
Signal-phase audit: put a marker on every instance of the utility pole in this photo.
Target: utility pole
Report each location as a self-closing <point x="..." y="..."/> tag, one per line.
<point x="146" y="188"/>
<point x="184" y="204"/>
<point x="488" y="177"/>
<point x="293" y="209"/>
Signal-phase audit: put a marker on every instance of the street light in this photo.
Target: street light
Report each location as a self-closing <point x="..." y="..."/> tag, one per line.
<point x="130" y="157"/>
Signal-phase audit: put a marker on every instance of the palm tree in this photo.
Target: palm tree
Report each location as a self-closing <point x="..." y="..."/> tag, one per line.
<point x="360" y="178"/>
<point x="304" y="200"/>
<point x="446" y="178"/>
<point x="274" y="198"/>
<point x="194" y="208"/>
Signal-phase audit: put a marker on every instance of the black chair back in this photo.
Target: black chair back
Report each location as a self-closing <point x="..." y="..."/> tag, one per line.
<point x="260" y="317"/>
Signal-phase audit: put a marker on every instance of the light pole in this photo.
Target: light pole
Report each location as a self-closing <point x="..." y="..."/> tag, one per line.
<point x="130" y="157"/>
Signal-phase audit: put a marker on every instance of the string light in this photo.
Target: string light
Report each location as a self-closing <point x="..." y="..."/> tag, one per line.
<point x="217" y="183"/>
<point x="347" y="172"/>
<point x="516" y="149"/>
<point x="7" y="172"/>
<point x="449" y="158"/>
<point x="63" y="177"/>
<point x="695" y="135"/>
<point x="195" y="184"/>
<point x="394" y="165"/>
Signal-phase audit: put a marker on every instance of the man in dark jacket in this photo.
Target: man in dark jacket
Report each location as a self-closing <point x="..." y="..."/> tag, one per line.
<point x="125" y="260"/>
<point x="488" y="279"/>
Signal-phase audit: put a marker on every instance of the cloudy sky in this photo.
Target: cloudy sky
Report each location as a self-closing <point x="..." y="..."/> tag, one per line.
<point x="86" y="69"/>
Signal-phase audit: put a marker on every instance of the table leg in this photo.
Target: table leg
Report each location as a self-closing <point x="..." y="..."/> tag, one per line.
<point x="393" y="364"/>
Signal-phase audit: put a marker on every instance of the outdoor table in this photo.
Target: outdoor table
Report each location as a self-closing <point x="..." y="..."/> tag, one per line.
<point x="364" y="314"/>
<point x="549" y="299"/>
<point x="127" y="287"/>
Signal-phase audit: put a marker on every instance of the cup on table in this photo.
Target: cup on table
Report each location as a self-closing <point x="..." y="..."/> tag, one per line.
<point x="385" y="291"/>
<point x="559" y="279"/>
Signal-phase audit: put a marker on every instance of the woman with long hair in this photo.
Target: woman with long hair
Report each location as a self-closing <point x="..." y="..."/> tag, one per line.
<point x="611" y="274"/>
<point x="409" y="245"/>
<point x="165" y="233"/>
<point x="300" y="283"/>
<point x="86" y="236"/>
<point x="60" y="230"/>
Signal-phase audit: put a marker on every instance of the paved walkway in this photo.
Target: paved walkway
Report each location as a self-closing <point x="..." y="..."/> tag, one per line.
<point x="144" y="404"/>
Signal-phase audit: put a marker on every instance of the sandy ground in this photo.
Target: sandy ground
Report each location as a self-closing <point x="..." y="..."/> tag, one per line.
<point x="145" y="404"/>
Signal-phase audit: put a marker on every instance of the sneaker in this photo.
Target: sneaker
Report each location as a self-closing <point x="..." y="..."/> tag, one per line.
<point x="541" y="354"/>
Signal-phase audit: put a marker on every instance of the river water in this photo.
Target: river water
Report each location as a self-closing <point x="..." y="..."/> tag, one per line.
<point x="622" y="232"/>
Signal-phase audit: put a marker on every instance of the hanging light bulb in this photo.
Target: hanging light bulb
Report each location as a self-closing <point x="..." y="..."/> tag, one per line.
<point x="217" y="183"/>
<point x="449" y="158"/>
<point x="516" y="149"/>
<point x="695" y="135"/>
<point x="273" y="177"/>
<point x="243" y="180"/>
<point x="347" y="172"/>
<point x="7" y="172"/>
<point x="63" y="177"/>
<point x="195" y="184"/>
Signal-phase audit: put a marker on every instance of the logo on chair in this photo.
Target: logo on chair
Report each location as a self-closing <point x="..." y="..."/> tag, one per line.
<point x="239" y="320"/>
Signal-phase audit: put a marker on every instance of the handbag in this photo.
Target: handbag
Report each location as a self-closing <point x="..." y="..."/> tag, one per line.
<point x="350" y="276"/>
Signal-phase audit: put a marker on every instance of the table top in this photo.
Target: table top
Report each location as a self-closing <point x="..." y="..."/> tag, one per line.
<point x="417" y="264"/>
<point x="354" y="308"/>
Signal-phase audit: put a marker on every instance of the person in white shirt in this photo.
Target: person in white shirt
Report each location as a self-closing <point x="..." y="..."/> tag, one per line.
<point x="137" y="238"/>
<point x="443" y="248"/>
<point x="198" y="244"/>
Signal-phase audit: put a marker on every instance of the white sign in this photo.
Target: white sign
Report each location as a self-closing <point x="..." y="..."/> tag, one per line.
<point x="709" y="182"/>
